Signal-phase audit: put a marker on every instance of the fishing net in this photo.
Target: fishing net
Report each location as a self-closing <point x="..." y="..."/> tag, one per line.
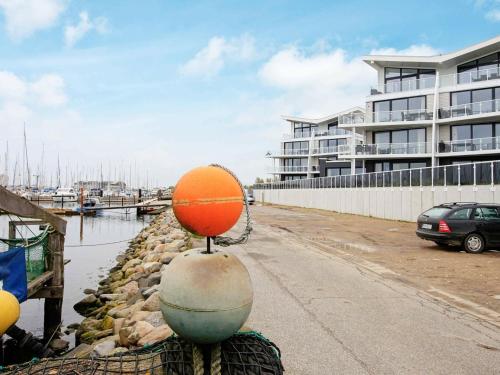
<point x="35" y="249"/>
<point x="246" y="353"/>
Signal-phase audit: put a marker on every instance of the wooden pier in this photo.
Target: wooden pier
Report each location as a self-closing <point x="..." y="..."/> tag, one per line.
<point x="50" y="284"/>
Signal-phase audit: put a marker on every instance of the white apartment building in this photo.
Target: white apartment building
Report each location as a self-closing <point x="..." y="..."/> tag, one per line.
<point x="428" y="111"/>
<point x="311" y="147"/>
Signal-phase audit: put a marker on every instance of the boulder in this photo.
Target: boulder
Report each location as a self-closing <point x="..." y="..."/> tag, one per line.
<point x="146" y="292"/>
<point x="167" y="257"/>
<point x="174" y="246"/>
<point x="153" y="279"/>
<point x="118" y="350"/>
<point x="81" y="351"/>
<point x="89" y="324"/>
<point x="123" y="336"/>
<point x="137" y="316"/>
<point x="58" y="345"/>
<point x="139" y="330"/>
<point x="87" y="304"/>
<point x="151" y="257"/>
<point x="128" y="311"/>
<point x="129" y="289"/>
<point x="113" y="296"/>
<point x="152" y="303"/>
<point x="104" y="348"/>
<point x="89" y="291"/>
<point x="155" y="319"/>
<point x="131" y="263"/>
<point x="158" y="334"/>
<point x="117" y="325"/>
<point x="107" y="322"/>
<point x="152" y="267"/>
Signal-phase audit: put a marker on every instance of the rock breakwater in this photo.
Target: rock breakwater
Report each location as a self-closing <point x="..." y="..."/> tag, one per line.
<point x="124" y="312"/>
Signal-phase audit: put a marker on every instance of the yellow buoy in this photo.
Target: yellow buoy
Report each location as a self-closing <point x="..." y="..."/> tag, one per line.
<point x="9" y="311"/>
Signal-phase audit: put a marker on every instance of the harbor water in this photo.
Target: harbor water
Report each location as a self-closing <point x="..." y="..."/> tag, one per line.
<point x="104" y="237"/>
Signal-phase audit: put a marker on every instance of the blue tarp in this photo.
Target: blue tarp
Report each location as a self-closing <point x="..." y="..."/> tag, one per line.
<point x="13" y="273"/>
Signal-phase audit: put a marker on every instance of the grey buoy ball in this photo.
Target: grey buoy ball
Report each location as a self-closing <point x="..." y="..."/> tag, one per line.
<point x="205" y="298"/>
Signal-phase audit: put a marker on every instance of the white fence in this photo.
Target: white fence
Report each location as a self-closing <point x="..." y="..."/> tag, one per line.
<point x="389" y="195"/>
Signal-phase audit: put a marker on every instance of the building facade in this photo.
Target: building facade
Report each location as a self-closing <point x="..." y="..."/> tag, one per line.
<point x="311" y="148"/>
<point x="429" y="111"/>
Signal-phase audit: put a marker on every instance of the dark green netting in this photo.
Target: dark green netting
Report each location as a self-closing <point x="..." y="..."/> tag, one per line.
<point x="246" y="353"/>
<point x="35" y="250"/>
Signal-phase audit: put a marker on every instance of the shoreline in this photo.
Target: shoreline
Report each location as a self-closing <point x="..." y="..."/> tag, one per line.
<point x="124" y="312"/>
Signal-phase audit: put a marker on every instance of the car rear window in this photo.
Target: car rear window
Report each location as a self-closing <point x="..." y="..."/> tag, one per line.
<point x="436" y="212"/>
<point x="463" y="214"/>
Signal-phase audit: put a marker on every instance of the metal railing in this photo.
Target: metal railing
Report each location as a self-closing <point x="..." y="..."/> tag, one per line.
<point x="289" y="169"/>
<point x="466" y="145"/>
<point x="352" y="118"/>
<point x="317" y="133"/>
<point x="386" y="149"/>
<point x="292" y="152"/>
<point x="480" y="173"/>
<point x="403" y="115"/>
<point x="470" y="109"/>
<point x="469" y="77"/>
<point x="406" y="85"/>
<point x="325" y="150"/>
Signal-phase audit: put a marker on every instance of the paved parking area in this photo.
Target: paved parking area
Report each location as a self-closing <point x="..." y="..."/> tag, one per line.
<point x="333" y="312"/>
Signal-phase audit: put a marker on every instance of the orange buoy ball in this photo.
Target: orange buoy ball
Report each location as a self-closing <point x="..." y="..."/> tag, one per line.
<point x="207" y="201"/>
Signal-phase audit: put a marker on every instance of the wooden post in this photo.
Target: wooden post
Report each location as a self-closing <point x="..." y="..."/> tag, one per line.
<point x="53" y="305"/>
<point x="12" y="230"/>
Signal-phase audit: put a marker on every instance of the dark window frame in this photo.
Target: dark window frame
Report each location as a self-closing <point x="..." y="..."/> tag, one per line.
<point x="401" y="76"/>
<point x="476" y="64"/>
<point x="407" y="102"/>
<point x="493" y="128"/>
<point x="493" y="95"/>
<point x="393" y="130"/>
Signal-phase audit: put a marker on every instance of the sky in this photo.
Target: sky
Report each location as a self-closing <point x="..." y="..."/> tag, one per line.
<point x="150" y="89"/>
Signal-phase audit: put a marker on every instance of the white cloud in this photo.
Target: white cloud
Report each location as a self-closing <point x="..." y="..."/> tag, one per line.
<point x="49" y="90"/>
<point x="413" y="50"/>
<point x="493" y="15"/>
<point x="319" y="83"/>
<point x="24" y="17"/>
<point x="11" y="86"/>
<point x="212" y="58"/>
<point x="73" y="33"/>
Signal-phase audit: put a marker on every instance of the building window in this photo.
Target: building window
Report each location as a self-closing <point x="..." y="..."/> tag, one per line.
<point x="293" y="177"/>
<point x="487" y="67"/>
<point x="295" y="162"/>
<point x="405" y="79"/>
<point x="301" y="130"/>
<point x="463" y="132"/>
<point x="330" y="145"/>
<point x="338" y="171"/>
<point x="296" y="148"/>
<point x="471" y="102"/>
<point x="385" y="166"/>
<point x="417" y="135"/>
<point x="333" y="129"/>
<point x="400" y="109"/>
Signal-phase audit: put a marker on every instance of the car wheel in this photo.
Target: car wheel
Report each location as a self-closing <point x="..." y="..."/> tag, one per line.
<point x="474" y="243"/>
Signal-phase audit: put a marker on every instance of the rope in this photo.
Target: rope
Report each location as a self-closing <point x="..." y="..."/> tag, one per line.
<point x="228" y="241"/>
<point x="216" y="368"/>
<point x="198" y="364"/>
<point x="100" y="244"/>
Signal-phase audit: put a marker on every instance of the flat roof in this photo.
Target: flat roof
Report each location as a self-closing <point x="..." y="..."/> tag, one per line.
<point x="322" y="119"/>
<point x="447" y="59"/>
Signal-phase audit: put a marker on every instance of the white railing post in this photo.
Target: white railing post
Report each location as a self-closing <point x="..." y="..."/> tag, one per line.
<point x="421" y="177"/>
<point x="492" y="177"/>
<point x="444" y="177"/>
<point x="474" y="171"/>
<point x="458" y="175"/>
<point x="410" y="178"/>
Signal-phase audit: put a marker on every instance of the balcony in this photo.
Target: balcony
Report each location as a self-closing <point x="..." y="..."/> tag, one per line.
<point x="285" y="153"/>
<point x="325" y="150"/>
<point x="317" y="133"/>
<point x="470" y="145"/>
<point x="407" y="115"/>
<point x="469" y="77"/>
<point x="408" y="85"/>
<point x="386" y="149"/>
<point x="289" y="169"/>
<point x="294" y="169"/>
<point x="470" y="109"/>
<point x="352" y="119"/>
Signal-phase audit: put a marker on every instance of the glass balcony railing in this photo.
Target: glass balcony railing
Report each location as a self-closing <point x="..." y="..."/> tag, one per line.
<point x="402" y="116"/>
<point x="293" y="152"/>
<point x="352" y="119"/>
<point x="470" y="145"/>
<point x="470" y="109"/>
<point x="406" y="85"/>
<point x="386" y="149"/>
<point x="318" y="133"/>
<point x="290" y="169"/>
<point x="469" y="77"/>
<point x="325" y="150"/>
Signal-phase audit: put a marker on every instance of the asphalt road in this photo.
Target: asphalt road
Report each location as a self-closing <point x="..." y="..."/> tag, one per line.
<point x="330" y="316"/>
